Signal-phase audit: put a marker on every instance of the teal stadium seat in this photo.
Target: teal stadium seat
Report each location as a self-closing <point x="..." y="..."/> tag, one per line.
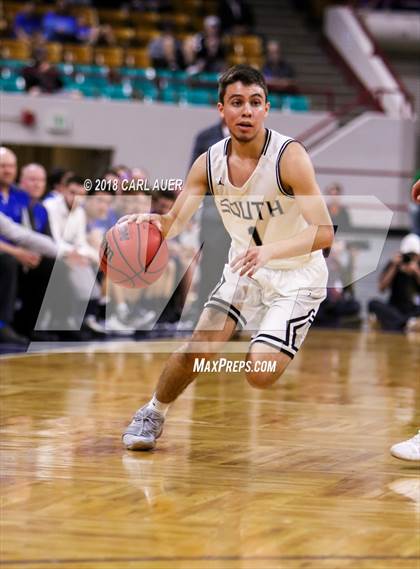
<point x="12" y="84"/>
<point x="137" y="73"/>
<point x="120" y="91"/>
<point x="208" y="77"/>
<point x="198" y="96"/>
<point x="295" y="103"/>
<point x="13" y="64"/>
<point x="145" y="89"/>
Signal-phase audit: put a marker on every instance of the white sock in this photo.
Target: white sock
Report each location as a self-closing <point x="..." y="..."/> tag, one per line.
<point x="156" y="405"/>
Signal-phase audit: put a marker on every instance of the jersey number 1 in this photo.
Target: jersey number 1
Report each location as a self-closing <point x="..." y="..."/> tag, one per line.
<point x="255" y="235"/>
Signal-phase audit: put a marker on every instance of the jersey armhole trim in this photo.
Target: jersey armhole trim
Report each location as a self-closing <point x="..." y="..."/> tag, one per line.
<point x="208" y="170"/>
<point x="278" y="177"/>
<point x="267" y="142"/>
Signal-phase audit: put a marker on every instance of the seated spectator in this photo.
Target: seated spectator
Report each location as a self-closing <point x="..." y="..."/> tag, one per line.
<point x="98" y="35"/>
<point x="56" y="181"/>
<point x="23" y="237"/>
<point x="12" y="203"/>
<point x="33" y="181"/>
<point x="340" y="308"/>
<point x="278" y="72"/>
<point x="24" y="274"/>
<point x="182" y="250"/>
<point x="68" y="221"/>
<point x="27" y="22"/>
<point x="210" y="52"/>
<point x="401" y="276"/>
<point x="165" y="51"/>
<point x="60" y="25"/>
<point x="41" y="76"/>
<point x="236" y="17"/>
<point x="338" y="212"/>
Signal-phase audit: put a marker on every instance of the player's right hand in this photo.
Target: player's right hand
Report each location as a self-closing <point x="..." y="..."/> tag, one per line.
<point x="154" y="218"/>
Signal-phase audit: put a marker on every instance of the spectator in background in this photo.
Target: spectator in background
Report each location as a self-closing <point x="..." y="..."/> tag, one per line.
<point x="182" y="250"/>
<point x="12" y="203"/>
<point x="56" y="181"/>
<point x="60" y="25"/>
<point x="212" y="229"/>
<point x="33" y="181"/>
<point x="27" y="24"/>
<point x="68" y="221"/>
<point x="278" y="72"/>
<point x="21" y="236"/>
<point x="236" y="17"/>
<point x="211" y="54"/>
<point x="401" y="276"/>
<point x="415" y="210"/>
<point x="22" y="271"/>
<point x="41" y="76"/>
<point x="166" y="51"/>
<point x="340" y="308"/>
<point x="338" y="212"/>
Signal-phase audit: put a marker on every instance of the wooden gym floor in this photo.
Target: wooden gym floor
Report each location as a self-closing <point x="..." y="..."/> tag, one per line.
<point x="299" y="476"/>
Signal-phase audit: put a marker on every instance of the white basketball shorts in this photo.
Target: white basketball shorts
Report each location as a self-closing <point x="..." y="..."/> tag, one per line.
<point x="277" y="305"/>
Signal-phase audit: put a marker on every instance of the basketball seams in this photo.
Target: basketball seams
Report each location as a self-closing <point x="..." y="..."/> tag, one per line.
<point x="145" y="275"/>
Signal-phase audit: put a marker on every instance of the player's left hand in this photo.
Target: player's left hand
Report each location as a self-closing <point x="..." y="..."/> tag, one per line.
<point x="252" y="260"/>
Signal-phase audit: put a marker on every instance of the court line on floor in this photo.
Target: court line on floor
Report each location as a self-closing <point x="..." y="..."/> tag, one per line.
<point x="157" y="559"/>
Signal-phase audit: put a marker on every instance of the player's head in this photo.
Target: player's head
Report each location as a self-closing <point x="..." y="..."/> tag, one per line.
<point x="243" y="101"/>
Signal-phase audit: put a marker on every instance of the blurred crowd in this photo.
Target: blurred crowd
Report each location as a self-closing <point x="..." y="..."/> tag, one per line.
<point x="190" y="43"/>
<point x="51" y="231"/>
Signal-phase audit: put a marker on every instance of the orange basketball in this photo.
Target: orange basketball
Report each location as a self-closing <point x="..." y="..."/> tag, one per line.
<point x="134" y="255"/>
<point x="415" y="192"/>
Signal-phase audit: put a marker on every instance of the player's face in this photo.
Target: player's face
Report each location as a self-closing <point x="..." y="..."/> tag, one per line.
<point x="244" y="109"/>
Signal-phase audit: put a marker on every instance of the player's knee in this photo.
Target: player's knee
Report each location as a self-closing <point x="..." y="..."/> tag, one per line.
<point x="260" y="380"/>
<point x="264" y="372"/>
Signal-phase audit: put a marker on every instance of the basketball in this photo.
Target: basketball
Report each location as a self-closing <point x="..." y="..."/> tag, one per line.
<point x="415" y="192"/>
<point x="134" y="255"/>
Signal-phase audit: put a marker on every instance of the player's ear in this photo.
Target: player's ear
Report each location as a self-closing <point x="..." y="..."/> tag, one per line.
<point x="267" y="107"/>
<point x="220" y="108"/>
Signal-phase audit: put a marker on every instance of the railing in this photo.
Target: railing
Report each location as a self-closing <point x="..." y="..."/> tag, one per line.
<point x="378" y="51"/>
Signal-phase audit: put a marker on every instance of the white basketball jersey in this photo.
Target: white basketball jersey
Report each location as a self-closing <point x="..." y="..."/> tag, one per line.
<point x="261" y="211"/>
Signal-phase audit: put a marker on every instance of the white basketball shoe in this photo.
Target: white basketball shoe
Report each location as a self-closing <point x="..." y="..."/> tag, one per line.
<point x="407" y="450"/>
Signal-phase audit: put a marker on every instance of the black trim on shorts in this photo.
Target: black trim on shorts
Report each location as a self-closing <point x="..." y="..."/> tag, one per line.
<point x="283" y="350"/>
<point x="229" y="306"/>
<point x="289" y="342"/>
<point x="211" y="304"/>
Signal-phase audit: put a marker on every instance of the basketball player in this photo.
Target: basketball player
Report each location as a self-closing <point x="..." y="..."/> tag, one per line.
<point x="409" y="449"/>
<point x="265" y="190"/>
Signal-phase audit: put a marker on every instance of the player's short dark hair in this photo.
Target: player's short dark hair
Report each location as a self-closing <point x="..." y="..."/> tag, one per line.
<point x="243" y="73"/>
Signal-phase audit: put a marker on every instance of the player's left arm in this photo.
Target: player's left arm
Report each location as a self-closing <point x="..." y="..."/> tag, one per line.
<point x="297" y="174"/>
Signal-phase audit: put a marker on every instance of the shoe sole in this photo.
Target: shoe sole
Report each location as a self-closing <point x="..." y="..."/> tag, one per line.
<point x="140" y="445"/>
<point x="400" y="457"/>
